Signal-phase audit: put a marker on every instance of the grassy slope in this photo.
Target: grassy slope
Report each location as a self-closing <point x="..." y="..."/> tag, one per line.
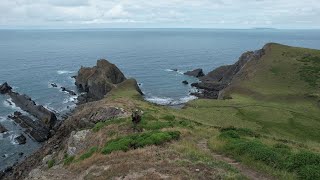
<point x="272" y="101"/>
<point x="271" y="98"/>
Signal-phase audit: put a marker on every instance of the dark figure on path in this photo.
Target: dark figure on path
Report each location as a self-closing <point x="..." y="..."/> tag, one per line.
<point x="136" y="117"/>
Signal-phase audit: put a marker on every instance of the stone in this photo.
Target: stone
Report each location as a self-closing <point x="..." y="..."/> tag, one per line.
<point x="196" y="73"/>
<point x="2" y="129"/>
<point x="185" y="82"/>
<point x="21" y="139"/>
<point x="68" y="91"/>
<point x="5" y="88"/>
<point x="76" y="142"/>
<point x="54" y="85"/>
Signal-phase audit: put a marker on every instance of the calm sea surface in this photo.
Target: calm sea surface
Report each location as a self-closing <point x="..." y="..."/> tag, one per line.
<point x="32" y="59"/>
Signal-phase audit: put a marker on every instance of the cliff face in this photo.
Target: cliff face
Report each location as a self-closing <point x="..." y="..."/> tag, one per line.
<point x="97" y="81"/>
<point x="218" y="79"/>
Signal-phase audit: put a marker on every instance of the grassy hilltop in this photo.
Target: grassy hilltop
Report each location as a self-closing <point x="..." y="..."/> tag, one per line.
<point x="267" y="128"/>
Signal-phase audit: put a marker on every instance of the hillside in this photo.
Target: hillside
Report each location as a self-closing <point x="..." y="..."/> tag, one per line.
<point x="267" y="127"/>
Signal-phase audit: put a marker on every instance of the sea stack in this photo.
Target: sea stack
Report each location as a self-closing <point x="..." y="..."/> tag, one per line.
<point x="97" y="81"/>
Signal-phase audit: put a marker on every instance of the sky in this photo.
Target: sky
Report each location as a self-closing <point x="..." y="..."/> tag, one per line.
<point x="285" y="14"/>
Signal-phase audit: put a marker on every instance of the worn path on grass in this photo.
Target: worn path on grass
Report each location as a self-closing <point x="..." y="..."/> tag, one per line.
<point x="244" y="170"/>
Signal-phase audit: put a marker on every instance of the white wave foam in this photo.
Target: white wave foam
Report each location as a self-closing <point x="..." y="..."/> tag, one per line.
<point x="2" y="119"/>
<point x="171" y="70"/>
<point x="159" y="100"/>
<point x="70" y="99"/>
<point x="64" y="72"/>
<point x="184" y="100"/>
<point x="170" y="101"/>
<point x="11" y="104"/>
<point x="12" y="139"/>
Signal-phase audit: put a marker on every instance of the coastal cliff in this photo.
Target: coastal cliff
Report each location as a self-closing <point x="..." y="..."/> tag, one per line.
<point x="266" y="128"/>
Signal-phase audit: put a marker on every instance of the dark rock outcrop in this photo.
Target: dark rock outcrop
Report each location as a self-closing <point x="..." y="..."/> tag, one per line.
<point x="36" y="129"/>
<point x="185" y="82"/>
<point x="217" y="80"/>
<point x="21" y="139"/>
<point x="196" y="73"/>
<point x="98" y="80"/>
<point x="68" y="91"/>
<point x="5" y="88"/>
<point x="2" y="129"/>
<point x="38" y="111"/>
<point x="54" y="85"/>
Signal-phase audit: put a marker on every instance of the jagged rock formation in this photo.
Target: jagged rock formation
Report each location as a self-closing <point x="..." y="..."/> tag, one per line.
<point x="196" y="73"/>
<point x="2" y="129"/>
<point x="39" y="130"/>
<point x="21" y="139"/>
<point x="36" y="129"/>
<point x="215" y="81"/>
<point x="98" y="80"/>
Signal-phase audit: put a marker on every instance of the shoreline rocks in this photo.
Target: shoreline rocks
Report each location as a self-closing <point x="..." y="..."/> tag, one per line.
<point x="38" y="129"/>
<point x="185" y="82"/>
<point x="2" y="129"/>
<point x="195" y="73"/>
<point x="21" y="139"/>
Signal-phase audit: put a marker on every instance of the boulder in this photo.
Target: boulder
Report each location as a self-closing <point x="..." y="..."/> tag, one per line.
<point x="5" y="88"/>
<point x="54" y="85"/>
<point x="68" y="91"/>
<point x="196" y="73"/>
<point x="106" y="113"/>
<point x="98" y="80"/>
<point x="2" y="129"/>
<point x="185" y="82"/>
<point x="21" y="139"/>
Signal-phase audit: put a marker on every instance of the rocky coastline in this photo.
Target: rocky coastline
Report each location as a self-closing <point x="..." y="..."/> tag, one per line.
<point x="94" y="83"/>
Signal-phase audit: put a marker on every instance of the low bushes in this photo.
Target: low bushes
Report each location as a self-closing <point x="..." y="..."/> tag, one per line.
<point x="305" y="164"/>
<point x="140" y="140"/>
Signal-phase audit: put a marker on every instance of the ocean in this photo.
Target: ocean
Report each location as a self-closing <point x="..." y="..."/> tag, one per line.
<point x="32" y="59"/>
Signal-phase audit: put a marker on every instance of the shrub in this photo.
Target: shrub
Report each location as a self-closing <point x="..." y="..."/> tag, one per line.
<point x="51" y="163"/>
<point x="89" y="153"/>
<point x="309" y="172"/>
<point x="229" y="134"/>
<point x="302" y="159"/>
<point x="156" y="125"/>
<point x="68" y="160"/>
<point x="121" y="144"/>
<point x="141" y="140"/>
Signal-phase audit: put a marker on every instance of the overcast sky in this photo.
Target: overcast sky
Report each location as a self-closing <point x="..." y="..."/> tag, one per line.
<point x="298" y="14"/>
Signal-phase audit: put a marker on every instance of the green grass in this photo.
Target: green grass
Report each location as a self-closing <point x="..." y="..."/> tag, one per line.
<point x="310" y="71"/>
<point x="68" y="160"/>
<point x="51" y="163"/>
<point x="304" y="164"/>
<point x="89" y="153"/>
<point x="140" y="140"/>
